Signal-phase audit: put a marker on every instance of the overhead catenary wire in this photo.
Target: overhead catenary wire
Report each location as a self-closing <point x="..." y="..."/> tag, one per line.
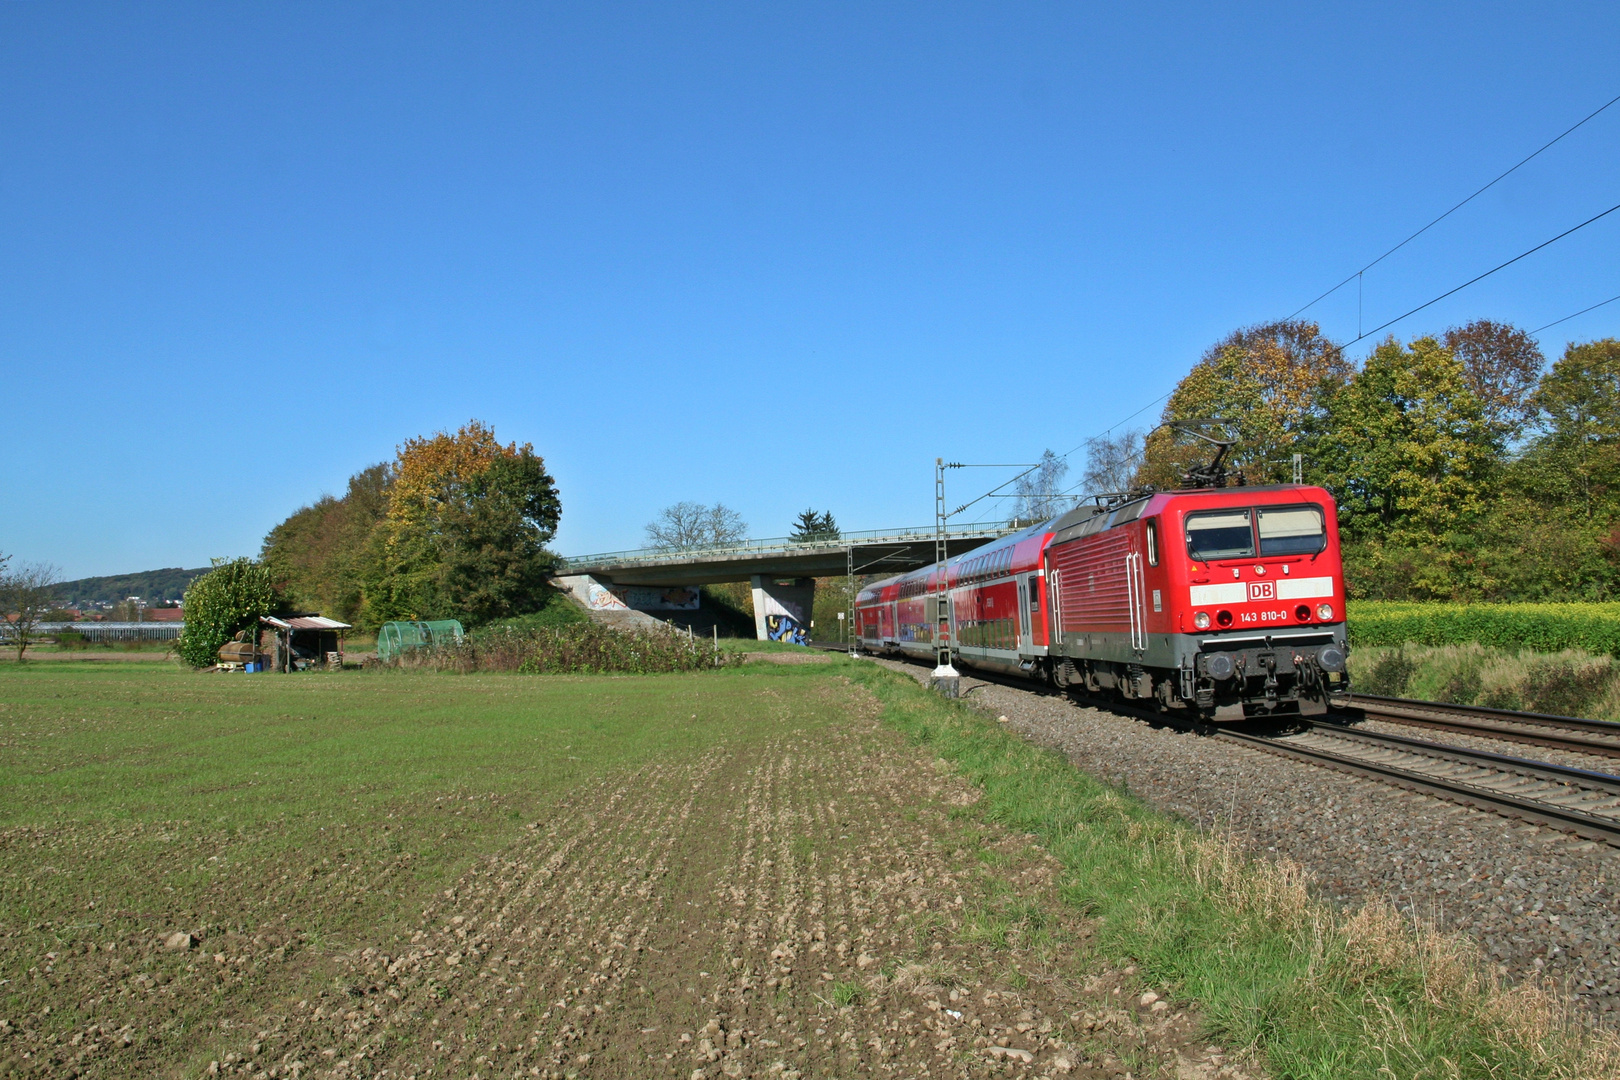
<point x="1566" y="318"/>
<point x="1142" y="452"/>
<point x="1383" y="326"/>
<point x="1362" y="335"/>
<point x="992" y="493"/>
<point x="1454" y="209"/>
<point x="1486" y="274"/>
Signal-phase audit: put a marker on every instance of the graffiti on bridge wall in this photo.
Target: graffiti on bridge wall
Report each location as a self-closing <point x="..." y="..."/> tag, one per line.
<point x="658" y="597"/>
<point x="786" y="628"/>
<point x="602" y="599"/>
<point x="643" y="598"/>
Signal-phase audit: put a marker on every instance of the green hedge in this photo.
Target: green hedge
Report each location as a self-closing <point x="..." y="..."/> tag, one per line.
<point x="1594" y="628"/>
<point x="228" y="598"/>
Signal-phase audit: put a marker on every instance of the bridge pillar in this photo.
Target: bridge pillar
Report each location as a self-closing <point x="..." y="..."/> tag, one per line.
<point x="782" y="608"/>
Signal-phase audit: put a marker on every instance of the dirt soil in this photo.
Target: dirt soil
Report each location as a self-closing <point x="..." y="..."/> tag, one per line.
<point x="827" y="903"/>
<point x="105" y="655"/>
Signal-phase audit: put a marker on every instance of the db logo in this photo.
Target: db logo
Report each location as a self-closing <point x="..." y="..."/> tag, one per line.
<point x="1262" y="590"/>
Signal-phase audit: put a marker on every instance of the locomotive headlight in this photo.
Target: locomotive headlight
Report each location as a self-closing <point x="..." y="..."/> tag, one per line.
<point x="1201" y="620"/>
<point x="1324" y="611"/>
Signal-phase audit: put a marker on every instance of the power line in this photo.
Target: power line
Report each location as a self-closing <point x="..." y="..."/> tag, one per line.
<point x="1063" y="456"/>
<point x="1453" y="210"/>
<point x="1479" y="277"/>
<point x="1486" y="274"/>
<point x="1566" y="318"/>
<point x="1361" y="336"/>
<point x="1127" y="420"/>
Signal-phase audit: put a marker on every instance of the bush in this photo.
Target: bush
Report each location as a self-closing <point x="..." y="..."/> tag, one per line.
<point x="1389" y="674"/>
<point x="555" y="610"/>
<point x="227" y="599"/>
<point x="576" y="649"/>
<point x="1593" y="628"/>
<point x="1566" y="686"/>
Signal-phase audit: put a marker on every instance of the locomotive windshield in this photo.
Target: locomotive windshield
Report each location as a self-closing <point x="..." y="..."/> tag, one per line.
<point x="1291" y="530"/>
<point x="1220" y="534"/>
<point x="1230" y="534"/>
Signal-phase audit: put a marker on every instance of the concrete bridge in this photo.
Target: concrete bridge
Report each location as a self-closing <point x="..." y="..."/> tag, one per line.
<point x="781" y="571"/>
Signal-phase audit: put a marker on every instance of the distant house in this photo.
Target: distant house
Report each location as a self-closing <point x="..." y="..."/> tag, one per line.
<point x="163" y="614"/>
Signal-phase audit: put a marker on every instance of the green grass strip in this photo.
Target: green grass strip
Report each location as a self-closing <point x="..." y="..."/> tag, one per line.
<point x="1317" y="993"/>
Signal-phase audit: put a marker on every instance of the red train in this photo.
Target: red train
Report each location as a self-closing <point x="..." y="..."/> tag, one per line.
<point x="1225" y="602"/>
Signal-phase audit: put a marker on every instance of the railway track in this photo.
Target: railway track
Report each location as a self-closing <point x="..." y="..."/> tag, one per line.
<point x="1599" y="737"/>
<point x="1580" y="801"/>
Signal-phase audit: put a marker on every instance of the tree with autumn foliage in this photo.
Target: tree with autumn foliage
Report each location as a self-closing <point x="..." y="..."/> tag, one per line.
<point x="1503" y="366"/>
<point x="455" y="527"/>
<point x="1462" y="472"/>
<point x="465" y="531"/>
<point x="1266" y="385"/>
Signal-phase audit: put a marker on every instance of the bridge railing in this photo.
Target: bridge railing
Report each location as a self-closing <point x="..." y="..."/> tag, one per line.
<point x="780" y="543"/>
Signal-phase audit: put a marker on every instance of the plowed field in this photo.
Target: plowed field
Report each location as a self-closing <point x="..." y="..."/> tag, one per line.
<point x="738" y="875"/>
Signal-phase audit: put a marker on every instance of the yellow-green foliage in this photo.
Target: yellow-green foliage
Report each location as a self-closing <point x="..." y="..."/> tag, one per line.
<point x="1594" y="628"/>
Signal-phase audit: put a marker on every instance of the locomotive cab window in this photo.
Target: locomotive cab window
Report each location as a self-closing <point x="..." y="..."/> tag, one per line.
<point x="1153" y="543"/>
<point x="1220" y="534"/>
<point x="1291" y="530"/>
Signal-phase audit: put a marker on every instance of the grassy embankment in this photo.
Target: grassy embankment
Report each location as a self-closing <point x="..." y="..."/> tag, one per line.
<point x="1568" y="683"/>
<point x="138" y="801"/>
<point x="1552" y="658"/>
<point x="1318" y="993"/>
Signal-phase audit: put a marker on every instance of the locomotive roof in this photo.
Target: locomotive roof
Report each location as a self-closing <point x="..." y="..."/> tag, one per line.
<point x="1000" y="542"/>
<point x="1078" y="523"/>
<point x="1087" y="520"/>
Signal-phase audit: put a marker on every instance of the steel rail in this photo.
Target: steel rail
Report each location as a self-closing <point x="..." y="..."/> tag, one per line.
<point x="1540" y="812"/>
<point x="1580" y="822"/>
<point x="1534" y="729"/>
<point x="1545" y="770"/>
<point x="1567" y="819"/>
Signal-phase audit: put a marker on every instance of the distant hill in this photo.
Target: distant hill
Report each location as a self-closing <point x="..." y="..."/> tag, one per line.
<point x="150" y="585"/>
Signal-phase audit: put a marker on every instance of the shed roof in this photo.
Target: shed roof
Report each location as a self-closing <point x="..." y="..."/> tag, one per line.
<point x="305" y="622"/>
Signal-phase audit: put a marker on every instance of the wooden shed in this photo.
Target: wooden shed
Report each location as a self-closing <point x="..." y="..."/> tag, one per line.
<point x="302" y="642"/>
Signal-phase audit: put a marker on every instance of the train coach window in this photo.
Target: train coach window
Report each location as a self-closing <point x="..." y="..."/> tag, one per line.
<point x="1153" y="543"/>
<point x="1220" y="534"/>
<point x="1291" y="530"/>
<point x="1034" y="597"/>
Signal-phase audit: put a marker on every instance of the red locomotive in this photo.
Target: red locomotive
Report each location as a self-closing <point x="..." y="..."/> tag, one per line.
<point x="1226" y="602"/>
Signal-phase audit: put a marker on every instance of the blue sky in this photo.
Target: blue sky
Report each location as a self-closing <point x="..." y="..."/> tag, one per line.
<point x="775" y="256"/>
